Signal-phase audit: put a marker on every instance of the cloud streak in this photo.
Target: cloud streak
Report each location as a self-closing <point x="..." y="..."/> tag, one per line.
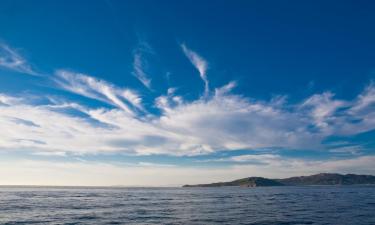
<point x="12" y="60"/>
<point x="94" y="88"/>
<point x="200" y="64"/>
<point x="139" y="70"/>
<point x="140" y="65"/>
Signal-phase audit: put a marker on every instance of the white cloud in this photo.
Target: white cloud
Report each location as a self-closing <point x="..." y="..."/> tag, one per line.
<point x="223" y="121"/>
<point x="139" y="70"/>
<point x="234" y="122"/>
<point x="12" y="60"/>
<point x="46" y="153"/>
<point x="365" y="102"/>
<point x="261" y="158"/>
<point x="98" y="89"/>
<point x="169" y="101"/>
<point x="9" y="100"/>
<point x="140" y="65"/>
<point x="248" y="159"/>
<point x="225" y="89"/>
<point x="323" y="106"/>
<point x="351" y="149"/>
<point x="200" y="64"/>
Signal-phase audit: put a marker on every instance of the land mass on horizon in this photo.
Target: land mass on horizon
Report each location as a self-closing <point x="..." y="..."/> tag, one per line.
<point x="316" y="179"/>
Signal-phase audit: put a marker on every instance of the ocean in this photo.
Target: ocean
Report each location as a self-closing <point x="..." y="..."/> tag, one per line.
<point x="227" y="205"/>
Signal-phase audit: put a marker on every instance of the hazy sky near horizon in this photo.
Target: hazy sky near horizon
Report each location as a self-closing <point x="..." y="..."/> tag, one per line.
<point x="166" y="93"/>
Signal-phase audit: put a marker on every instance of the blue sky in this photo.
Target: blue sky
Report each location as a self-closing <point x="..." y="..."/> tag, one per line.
<point x="167" y="93"/>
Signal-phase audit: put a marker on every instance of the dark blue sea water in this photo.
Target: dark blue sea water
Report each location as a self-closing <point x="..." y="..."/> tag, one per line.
<point x="265" y="205"/>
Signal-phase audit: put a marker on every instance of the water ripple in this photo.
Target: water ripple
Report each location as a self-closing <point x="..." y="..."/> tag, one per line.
<point x="257" y="206"/>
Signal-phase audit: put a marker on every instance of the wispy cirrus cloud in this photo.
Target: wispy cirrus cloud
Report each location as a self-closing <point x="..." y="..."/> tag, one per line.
<point x="140" y="65"/>
<point x="200" y="64"/>
<point x="12" y="60"/>
<point x="9" y="100"/>
<point x="139" y="70"/>
<point x="94" y="88"/>
<point x="322" y="107"/>
<point x="365" y="101"/>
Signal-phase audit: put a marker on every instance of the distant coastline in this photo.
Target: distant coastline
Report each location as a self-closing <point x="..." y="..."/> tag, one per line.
<point x="316" y="179"/>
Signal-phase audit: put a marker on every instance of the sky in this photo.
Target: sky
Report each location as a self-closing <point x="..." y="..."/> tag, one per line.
<point x="165" y="93"/>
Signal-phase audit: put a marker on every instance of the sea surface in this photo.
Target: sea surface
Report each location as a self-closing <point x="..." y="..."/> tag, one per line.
<point x="229" y="205"/>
